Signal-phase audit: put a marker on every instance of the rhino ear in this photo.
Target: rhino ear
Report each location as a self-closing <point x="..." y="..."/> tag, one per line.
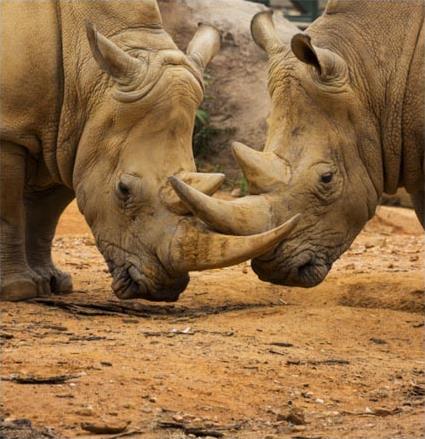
<point x="326" y="63"/>
<point x="110" y="58"/>
<point x="204" y="45"/>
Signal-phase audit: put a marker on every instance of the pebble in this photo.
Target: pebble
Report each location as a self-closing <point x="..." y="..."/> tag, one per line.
<point x="294" y="416"/>
<point x="236" y="193"/>
<point x="298" y="427"/>
<point x="85" y="411"/>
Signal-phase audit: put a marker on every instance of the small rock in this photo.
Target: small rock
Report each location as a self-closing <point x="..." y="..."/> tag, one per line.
<point x="298" y="427"/>
<point x="294" y="416"/>
<point x="85" y="411"/>
<point x="236" y="193"/>
<point x="377" y="340"/>
<point x="319" y="401"/>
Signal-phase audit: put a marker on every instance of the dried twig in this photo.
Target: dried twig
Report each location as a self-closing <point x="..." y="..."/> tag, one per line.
<point x="197" y="431"/>
<point x="327" y="362"/>
<point x="103" y="428"/>
<point x="31" y="379"/>
<point x="282" y="344"/>
<point x="144" y="310"/>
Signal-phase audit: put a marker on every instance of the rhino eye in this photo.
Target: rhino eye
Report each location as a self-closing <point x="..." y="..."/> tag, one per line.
<point x="326" y="177"/>
<point x="123" y="191"/>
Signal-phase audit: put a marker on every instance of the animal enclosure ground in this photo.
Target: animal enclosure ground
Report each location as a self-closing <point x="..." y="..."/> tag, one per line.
<point x="234" y="356"/>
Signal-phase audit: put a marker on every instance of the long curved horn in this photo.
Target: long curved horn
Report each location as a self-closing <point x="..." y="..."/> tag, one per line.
<point x="207" y="183"/>
<point x="193" y="248"/>
<point x="243" y="216"/>
<point x="263" y="170"/>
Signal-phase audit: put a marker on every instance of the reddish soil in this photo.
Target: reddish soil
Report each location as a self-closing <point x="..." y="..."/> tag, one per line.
<point x="350" y="359"/>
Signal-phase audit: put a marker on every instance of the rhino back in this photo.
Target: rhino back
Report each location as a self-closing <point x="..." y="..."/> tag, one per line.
<point x="30" y="73"/>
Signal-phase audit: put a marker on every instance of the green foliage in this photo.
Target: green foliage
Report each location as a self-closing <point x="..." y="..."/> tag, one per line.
<point x="243" y="186"/>
<point x="203" y="133"/>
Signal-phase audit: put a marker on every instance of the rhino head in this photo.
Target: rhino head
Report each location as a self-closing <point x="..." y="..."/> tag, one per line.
<point x="315" y="161"/>
<point x="138" y="134"/>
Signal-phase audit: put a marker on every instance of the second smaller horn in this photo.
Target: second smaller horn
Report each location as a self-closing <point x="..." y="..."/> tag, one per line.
<point x="204" y="45"/>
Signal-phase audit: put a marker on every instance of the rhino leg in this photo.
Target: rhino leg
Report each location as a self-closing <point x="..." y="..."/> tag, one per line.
<point x="43" y="210"/>
<point x="17" y="280"/>
<point x="418" y="200"/>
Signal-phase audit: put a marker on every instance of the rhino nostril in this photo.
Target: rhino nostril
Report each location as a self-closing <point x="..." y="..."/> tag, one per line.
<point x="306" y="266"/>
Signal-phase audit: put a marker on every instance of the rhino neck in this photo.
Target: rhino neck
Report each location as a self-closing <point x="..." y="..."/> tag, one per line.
<point x="81" y="76"/>
<point x="378" y="42"/>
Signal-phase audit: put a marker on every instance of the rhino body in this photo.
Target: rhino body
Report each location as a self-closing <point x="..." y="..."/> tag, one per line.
<point x="347" y="124"/>
<point x="104" y="114"/>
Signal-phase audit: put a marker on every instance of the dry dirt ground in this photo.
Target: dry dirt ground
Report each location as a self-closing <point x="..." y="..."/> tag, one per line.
<point x="234" y="357"/>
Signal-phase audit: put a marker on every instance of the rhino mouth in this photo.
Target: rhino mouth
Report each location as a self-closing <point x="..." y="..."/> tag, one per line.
<point x="150" y="282"/>
<point x="130" y="283"/>
<point x="307" y="270"/>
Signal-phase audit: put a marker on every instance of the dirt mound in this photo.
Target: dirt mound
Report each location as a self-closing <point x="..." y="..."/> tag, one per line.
<point x="373" y="293"/>
<point x="395" y="220"/>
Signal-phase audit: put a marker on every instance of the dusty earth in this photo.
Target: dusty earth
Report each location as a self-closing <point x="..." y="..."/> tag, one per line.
<point x="234" y="357"/>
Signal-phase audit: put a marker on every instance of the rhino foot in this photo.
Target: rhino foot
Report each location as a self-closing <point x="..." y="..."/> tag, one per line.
<point x="20" y="286"/>
<point x="31" y="284"/>
<point x="54" y="280"/>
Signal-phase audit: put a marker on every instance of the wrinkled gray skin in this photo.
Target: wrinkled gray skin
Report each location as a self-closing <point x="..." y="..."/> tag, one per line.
<point x="347" y="124"/>
<point x="106" y="116"/>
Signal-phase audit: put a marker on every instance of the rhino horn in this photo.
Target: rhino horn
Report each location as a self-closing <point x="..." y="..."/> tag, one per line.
<point x="267" y="36"/>
<point x="111" y="59"/>
<point x="264" y="171"/>
<point x="207" y="183"/>
<point x="204" y="45"/>
<point x="243" y="216"/>
<point x="194" y="248"/>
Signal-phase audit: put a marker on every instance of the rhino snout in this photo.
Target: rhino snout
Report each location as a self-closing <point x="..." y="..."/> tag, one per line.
<point x="130" y="282"/>
<point x="302" y="270"/>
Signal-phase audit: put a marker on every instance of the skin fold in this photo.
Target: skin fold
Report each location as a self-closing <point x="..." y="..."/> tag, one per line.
<point x="347" y="123"/>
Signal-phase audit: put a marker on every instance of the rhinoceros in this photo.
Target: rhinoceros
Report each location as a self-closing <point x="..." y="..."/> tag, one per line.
<point x="347" y="124"/>
<point x="105" y="115"/>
